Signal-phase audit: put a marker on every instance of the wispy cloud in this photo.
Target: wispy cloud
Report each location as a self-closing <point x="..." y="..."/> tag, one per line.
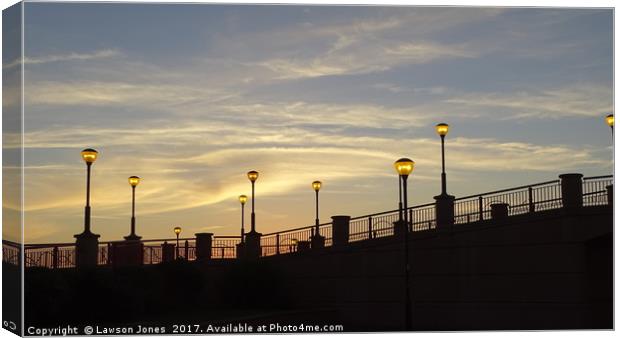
<point x="573" y="100"/>
<point x="92" y="93"/>
<point x="357" y="46"/>
<point x="99" y="54"/>
<point x="365" y="57"/>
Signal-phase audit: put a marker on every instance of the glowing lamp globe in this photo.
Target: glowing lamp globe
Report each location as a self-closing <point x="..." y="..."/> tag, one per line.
<point x="442" y="129"/>
<point x="253" y="175"/>
<point x="610" y="120"/>
<point x="177" y="230"/>
<point x="243" y="199"/>
<point x="404" y="166"/>
<point x="316" y="185"/>
<point x="89" y="155"/>
<point x="134" y="180"/>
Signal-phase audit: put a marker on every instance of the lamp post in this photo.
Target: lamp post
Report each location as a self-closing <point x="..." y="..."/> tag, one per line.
<point x="87" y="243"/>
<point x="133" y="182"/>
<point x="177" y="231"/>
<point x="400" y="201"/>
<point x="444" y="205"/>
<point x="442" y="131"/>
<point x="242" y="199"/>
<point x="317" y="241"/>
<point x="610" y="122"/>
<point x="253" y="176"/>
<point x="316" y="185"/>
<point x="609" y="119"/>
<point x="404" y="167"/>
<point x="89" y="156"/>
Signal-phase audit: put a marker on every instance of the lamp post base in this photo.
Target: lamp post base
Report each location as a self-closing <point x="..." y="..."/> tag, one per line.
<point x="252" y="247"/>
<point x="400" y="228"/>
<point x="317" y="242"/>
<point x="86" y="250"/>
<point x="132" y="237"/>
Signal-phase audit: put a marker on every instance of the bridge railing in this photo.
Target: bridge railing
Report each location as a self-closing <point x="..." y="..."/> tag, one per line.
<point x="11" y="252"/>
<point x="224" y="247"/>
<point x="595" y="190"/>
<point x="468" y="209"/>
<point x="520" y="200"/>
<point x="62" y="255"/>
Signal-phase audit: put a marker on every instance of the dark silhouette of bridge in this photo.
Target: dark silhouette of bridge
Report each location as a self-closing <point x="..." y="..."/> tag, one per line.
<point x="524" y="200"/>
<point x="531" y="257"/>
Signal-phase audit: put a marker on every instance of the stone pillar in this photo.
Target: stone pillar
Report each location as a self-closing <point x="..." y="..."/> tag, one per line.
<point x="572" y="190"/>
<point x="253" y="248"/>
<point x="303" y="246"/>
<point x="444" y="210"/>
<point x="499" y="210"/>
<point x="340" y="230"/>
<point x="610" y="195"/>
<point x="167" y="252"/>
<point x="128" y="253"/>
<point x="135" y="252"/>
<point x="204" y="246"/>
<point x="86" y="250"/>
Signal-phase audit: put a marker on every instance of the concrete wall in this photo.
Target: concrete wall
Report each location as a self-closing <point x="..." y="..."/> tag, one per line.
<point x="549" y="270"/>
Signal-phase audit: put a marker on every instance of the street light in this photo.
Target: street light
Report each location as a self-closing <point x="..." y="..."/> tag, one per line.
<point x="177" y="231"/>
<point x="242" y="200"/>
<point x="610" y="122"/>
<point x="133" y="182"/>
<point x="404" y="167"/>
<point x="442" y="131"/>
<point x="89" y="156"/>
<point x="253" y="176"/>
<point x="316" y="185"/>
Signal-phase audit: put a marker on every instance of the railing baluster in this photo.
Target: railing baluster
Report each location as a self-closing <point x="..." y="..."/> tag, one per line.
<point x="55" y="258"/>
<point x="530" y="196"/>
<point x="480" y="209"/>
<point x="109" y="253"/>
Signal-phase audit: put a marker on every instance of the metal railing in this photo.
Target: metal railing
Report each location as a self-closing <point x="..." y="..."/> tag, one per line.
<point x="475" y="208"/>
<point x="225" y="247"/>
<point x="62" y="255"/>
<point x="10" y="252"/>
<point x="520" y="200"/>
<point x="595" y="190"/>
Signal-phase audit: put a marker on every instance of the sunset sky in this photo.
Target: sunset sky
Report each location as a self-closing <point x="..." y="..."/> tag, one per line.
<point x="191" y="97"/>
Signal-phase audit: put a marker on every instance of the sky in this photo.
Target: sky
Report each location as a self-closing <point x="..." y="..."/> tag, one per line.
<point x="192" y="96"/>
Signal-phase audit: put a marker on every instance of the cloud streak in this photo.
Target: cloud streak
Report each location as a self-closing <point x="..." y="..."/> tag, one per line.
<point x="554" y="103"/>
<point x="98" y="54"/>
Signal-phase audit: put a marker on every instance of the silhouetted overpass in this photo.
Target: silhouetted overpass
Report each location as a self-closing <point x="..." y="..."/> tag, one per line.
<point x="532" y="257"/>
